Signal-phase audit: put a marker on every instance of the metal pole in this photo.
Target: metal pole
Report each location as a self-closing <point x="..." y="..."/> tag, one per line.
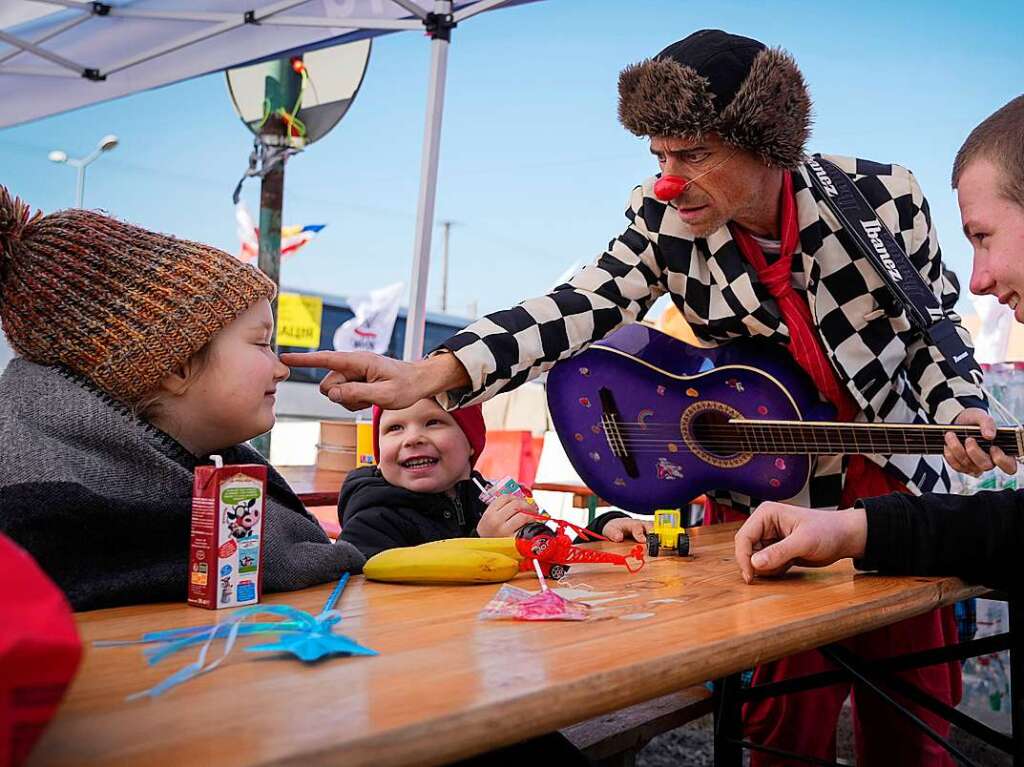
<point x="282" y="87"/>
<point x="416" y="316"/>
<point x="271" y="204"/>
<point x="80" y="187"/>
<point x="1013" y="605"/>
<point x="728" y="722"/>
<point x="444" y="267"/>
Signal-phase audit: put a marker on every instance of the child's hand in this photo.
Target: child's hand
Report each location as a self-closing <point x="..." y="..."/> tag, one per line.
<point x="503" y="517"/>
<point x="622" y="528"/>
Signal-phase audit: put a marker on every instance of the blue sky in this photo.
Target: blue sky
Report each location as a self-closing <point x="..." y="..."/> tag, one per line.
<point x="534" y="166"/>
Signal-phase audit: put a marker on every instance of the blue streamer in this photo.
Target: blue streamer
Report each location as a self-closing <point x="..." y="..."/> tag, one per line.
<point x="307" y="637"/>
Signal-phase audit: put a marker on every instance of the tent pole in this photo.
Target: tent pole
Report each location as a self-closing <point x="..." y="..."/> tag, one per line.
<point x="415" y="318"/>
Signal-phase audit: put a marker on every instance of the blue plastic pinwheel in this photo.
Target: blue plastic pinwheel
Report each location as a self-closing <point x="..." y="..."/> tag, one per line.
<point x="318" y="641"/>
<point x="313" y="646"/>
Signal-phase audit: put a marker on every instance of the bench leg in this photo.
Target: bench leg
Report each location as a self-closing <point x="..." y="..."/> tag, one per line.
<point x="624" y="759"/>
<point x="728" y="722"/>
<point x="1016" y="610"/>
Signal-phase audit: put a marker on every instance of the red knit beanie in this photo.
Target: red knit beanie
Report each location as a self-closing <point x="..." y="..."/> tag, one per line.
<point x="470" y="420"/>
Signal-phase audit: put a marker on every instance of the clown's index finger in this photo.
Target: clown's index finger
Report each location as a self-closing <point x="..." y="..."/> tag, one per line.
<point x="341" y="362"/>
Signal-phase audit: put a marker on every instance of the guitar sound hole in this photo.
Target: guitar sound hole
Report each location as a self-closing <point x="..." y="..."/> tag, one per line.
<point x="709" y="438"/>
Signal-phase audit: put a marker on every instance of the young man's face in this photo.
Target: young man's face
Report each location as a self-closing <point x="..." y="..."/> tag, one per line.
<point x="732" y="187"/>
<point x="423" y="449"/>
<point x="995" y="227"/>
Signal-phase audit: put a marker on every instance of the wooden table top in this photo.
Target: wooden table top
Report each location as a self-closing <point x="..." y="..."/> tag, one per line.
<point x="447" y="684"/>
<point x="315" y="487"/>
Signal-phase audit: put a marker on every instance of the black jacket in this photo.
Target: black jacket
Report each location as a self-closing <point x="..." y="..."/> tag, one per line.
<point x="375" y="515"/>
<point x="976" y="537"/>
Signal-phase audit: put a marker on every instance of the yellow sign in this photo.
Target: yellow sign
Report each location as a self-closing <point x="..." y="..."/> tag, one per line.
<point x="298" y="320"/>
<point x="364" y="444"/>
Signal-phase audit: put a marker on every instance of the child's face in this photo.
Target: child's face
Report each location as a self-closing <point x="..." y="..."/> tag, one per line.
<point x="232" y="398"/>
<point x="422" y="448"/>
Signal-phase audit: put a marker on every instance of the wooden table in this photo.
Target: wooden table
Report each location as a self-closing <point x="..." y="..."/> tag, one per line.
<point x="447" y="684"/>
<point x="315" y="487"/>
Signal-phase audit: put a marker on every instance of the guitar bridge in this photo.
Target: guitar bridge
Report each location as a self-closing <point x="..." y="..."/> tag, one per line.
<point x="617" y="443"/>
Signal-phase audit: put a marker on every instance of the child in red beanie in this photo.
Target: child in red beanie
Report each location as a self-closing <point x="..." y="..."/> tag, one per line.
<point x="422" y="488"/>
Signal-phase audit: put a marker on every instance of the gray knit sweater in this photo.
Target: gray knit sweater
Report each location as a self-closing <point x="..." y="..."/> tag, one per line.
<point x="102" y="499"/>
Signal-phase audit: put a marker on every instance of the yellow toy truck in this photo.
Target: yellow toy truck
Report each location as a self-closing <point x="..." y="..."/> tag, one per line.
<point x="668" y="534"/>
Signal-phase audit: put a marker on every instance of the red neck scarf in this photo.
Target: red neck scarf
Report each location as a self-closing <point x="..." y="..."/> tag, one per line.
<point x="863" y="478"/>
<point x="804" y="343"/>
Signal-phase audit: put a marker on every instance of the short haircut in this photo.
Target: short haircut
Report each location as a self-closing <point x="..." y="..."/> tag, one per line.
<point x="1000" y="140"/>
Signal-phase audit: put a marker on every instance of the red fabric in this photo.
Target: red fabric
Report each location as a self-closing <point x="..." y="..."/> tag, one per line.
<point x="805" y="723"/>
<point x="511" y="452"/>
<point x="863" y="478"/>
<point x="39" y="652"/>
<point x="470" y="420"/>
<point x="804" y="345"/>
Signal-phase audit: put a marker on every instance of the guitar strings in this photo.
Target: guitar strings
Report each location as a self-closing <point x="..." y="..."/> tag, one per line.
<point x="725" y="451"/>
<point x="727" y="439"/>
<point x="818" y="436"/>
<point x="768" y="442"/>
<point x="803" y="433"/>
<point x="755" y="424"/>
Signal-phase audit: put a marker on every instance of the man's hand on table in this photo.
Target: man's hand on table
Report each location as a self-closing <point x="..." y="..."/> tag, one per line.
<point x="968" y="457"/>
<point x="360" y="379"/>
<point x="777" y="536"/>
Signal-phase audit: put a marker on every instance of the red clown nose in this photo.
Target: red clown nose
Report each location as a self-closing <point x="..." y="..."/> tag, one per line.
<point x="667" y="188"/>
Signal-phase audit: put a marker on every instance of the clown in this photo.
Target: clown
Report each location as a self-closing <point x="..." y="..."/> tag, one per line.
<point x="734" y="231"/>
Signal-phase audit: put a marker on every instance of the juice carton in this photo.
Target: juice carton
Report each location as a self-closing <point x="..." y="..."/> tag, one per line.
<point x="228" y="504"/>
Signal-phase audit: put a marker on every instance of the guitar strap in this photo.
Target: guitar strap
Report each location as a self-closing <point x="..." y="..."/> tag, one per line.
<point x="875" y="241"/>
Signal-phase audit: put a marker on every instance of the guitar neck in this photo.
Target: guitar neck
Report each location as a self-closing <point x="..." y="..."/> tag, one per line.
<point x="829" y="438"/>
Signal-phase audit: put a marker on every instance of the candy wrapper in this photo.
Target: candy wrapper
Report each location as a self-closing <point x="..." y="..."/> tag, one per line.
<point x="507" y="485"/>
<point x="522" y="605"/>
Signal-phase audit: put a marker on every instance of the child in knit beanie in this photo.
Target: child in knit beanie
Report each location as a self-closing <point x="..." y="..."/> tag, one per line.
<point x="423" y="487"/>
<point x="139" y="355"/>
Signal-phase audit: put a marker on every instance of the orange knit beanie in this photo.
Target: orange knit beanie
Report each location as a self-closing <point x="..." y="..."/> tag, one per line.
<point x="119" y="304"/>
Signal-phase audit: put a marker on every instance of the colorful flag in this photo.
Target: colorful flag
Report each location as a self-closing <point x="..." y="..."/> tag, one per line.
<point x="292" y="237"/>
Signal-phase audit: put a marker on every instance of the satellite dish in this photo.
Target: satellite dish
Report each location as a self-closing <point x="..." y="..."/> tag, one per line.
<point x="333" y="77"/>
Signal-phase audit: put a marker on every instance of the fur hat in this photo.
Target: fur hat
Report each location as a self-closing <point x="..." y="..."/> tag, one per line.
<point x="470" y="419"/>
<point x="753" y="96"/>
<point x="116" y="303"/>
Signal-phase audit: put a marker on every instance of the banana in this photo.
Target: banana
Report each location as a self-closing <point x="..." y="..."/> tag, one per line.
<point x="506" y="546"/>
<point x="440" y="564"/>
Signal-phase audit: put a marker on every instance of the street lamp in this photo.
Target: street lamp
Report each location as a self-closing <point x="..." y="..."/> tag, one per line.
<point x="107" y="143"/>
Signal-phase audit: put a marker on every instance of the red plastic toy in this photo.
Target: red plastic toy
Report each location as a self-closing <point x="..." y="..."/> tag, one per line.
<point x="555" y="551"/>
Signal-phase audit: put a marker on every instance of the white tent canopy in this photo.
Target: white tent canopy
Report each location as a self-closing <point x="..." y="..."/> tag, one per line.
<point x="57" y="55"/>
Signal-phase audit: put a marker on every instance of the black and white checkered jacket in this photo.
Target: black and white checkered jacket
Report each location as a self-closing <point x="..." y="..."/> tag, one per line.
<point x="893" y="373"/>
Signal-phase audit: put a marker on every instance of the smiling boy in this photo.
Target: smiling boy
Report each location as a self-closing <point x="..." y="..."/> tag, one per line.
<point x="422" y="489"/>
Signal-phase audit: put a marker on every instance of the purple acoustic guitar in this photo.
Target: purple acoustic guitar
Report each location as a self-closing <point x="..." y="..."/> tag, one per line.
<point x="651" y="422"/>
